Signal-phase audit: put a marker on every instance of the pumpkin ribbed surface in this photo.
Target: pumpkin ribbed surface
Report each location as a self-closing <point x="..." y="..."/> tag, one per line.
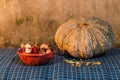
<point x="85" y="37"/>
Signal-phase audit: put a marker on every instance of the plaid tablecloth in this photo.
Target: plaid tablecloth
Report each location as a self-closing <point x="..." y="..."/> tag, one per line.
<point x="11" y="68"/>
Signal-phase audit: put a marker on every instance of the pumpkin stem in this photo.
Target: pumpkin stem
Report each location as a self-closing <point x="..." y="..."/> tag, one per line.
<point x="83" y="24"/>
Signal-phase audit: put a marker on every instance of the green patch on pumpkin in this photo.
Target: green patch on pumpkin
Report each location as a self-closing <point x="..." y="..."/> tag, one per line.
<point x="19" y="21"/>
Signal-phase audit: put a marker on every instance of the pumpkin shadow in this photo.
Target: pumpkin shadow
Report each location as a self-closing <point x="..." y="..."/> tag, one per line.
<point x="108" y="53"/>
<point x="113" y="51"/>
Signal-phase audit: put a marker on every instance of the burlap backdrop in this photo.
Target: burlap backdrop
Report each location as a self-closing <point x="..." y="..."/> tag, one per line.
<point x="38" y="20"/>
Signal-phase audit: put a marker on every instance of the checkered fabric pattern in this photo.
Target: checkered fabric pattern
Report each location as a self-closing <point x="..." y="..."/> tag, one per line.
<point x="12" y="68"/>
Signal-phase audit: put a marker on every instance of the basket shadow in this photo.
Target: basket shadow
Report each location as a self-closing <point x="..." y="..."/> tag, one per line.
<point x="16" y="60"/>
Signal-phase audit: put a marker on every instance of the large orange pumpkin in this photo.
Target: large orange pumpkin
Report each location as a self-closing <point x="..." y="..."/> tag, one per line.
<point x="85" y="37"/>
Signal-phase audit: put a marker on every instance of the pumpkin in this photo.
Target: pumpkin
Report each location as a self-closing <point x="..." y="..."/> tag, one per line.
<point x="84" y="37"/>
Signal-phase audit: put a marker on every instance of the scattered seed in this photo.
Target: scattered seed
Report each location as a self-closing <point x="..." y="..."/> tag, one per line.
<point x="66" y="61"/>
<point x="98" y="62"/>
<point x="88" y="63"/>
<point x="80" y="59"/>
<point x="78" y="63"/>
<point x="71" y="62"/>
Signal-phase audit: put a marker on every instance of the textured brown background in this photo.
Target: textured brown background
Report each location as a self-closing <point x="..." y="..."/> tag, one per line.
<point x="37" y="20"/>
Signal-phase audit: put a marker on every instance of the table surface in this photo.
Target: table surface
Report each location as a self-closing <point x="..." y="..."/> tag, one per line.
<point x="12" y="68"/>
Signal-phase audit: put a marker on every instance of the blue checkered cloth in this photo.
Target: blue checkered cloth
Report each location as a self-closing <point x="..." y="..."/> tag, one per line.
<point x="12" y="68"/>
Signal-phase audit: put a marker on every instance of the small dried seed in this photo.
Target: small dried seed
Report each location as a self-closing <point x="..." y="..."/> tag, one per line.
<point x="98" y="62"/>
<point x="81" y="62"/>
<point x="80" y="59"/>
<point x="67" y="61"/>
<point x="71" y="62"/>
<point x="77" y="64"/>
<point x="87" y="63"/>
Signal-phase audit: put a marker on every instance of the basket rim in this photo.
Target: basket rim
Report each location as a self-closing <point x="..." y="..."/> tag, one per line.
<point x="28" y="54"/>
